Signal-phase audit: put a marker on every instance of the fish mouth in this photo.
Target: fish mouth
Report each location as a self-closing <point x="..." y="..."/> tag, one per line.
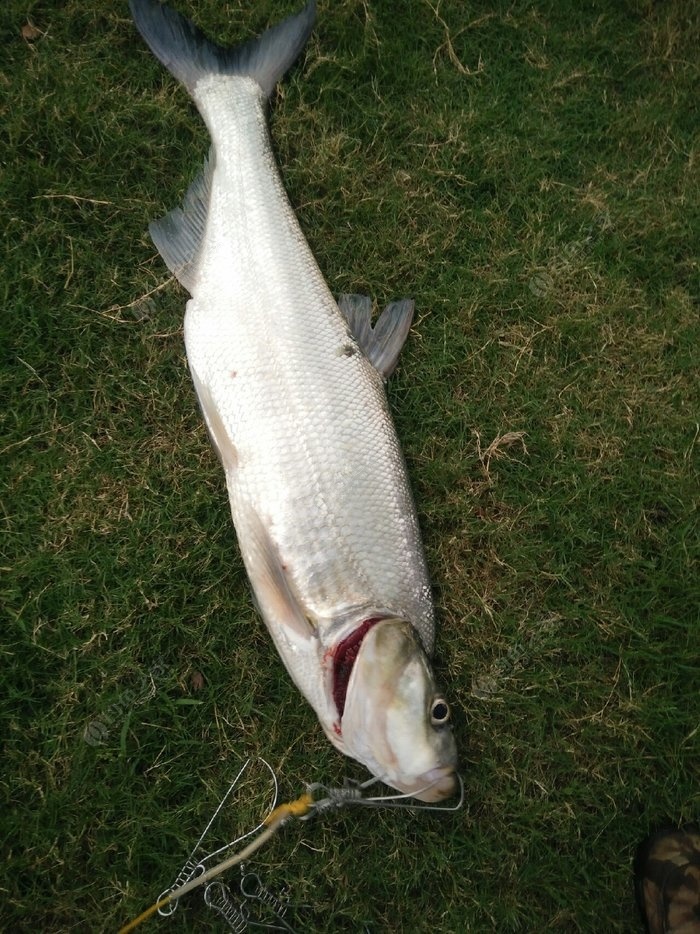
<point x="436" y="785"/>
<point x="344" y="656"/>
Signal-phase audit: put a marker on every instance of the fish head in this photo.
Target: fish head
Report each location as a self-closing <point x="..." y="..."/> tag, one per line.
<point x="394" y="719"/>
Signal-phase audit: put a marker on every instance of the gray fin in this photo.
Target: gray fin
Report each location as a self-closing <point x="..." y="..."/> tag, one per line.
<point x="357" y="310"/>
<point x="382" y="343"/>
<point x="274" y="596"/>
<point x="180" y="233"/>
<point x="186" y="52"/>
<point x="220" y="438"/>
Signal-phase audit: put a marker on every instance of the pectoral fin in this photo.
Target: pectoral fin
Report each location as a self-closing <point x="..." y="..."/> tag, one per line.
<point x="220" y="437"/>
<point x="382" y="343"/>
<point x="278" y="604"/>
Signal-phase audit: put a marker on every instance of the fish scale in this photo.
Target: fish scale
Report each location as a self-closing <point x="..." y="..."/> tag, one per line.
<point x="317" y="454"/>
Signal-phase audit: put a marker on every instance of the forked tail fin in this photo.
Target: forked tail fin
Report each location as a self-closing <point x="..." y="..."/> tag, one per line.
<point x="186" y="52"/>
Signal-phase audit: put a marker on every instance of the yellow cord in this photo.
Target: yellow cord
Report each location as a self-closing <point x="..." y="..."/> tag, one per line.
<point x="145" y="915"/>
<point x="298" y="808"/>
<point x="274" y="821"/>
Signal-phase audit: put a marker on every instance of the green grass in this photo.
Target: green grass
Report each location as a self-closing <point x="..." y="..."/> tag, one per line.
<point x="529" y="173"/>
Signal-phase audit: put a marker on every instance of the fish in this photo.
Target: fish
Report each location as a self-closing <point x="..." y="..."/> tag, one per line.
<point x="290" y="383"/>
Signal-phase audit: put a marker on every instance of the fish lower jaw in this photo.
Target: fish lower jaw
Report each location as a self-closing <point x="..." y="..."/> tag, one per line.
<point x="436" y="785"/>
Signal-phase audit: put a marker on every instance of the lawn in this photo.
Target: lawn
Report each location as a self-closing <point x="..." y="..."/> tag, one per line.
<point x="528" y="172"/>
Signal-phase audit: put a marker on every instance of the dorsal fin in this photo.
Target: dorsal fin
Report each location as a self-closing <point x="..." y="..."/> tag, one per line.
<point x="382" y="343"/>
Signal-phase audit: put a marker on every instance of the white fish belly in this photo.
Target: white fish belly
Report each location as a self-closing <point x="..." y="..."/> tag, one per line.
<point x="310" y="446"/>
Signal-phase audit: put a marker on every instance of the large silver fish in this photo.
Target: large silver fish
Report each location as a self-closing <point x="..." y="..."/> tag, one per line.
<point x="291" y="387"/>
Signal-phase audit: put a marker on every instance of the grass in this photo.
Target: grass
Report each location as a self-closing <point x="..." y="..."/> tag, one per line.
<point x="529" y="173"/>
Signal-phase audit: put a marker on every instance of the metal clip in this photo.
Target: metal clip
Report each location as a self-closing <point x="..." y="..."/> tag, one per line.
<point x="217" y="897"/>
<point x="198" y="860"/>
<point x="252" y="887"/>
<point x="353" y="792"/>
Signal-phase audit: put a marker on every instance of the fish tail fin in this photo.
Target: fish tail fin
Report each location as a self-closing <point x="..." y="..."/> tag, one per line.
<point x="186" y="52"/>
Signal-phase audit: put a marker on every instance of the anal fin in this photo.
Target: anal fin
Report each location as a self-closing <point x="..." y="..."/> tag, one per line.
<point x="179" y="235"/>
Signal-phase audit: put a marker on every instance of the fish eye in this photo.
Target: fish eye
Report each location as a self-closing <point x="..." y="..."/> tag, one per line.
<point x="439" y="712"/>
